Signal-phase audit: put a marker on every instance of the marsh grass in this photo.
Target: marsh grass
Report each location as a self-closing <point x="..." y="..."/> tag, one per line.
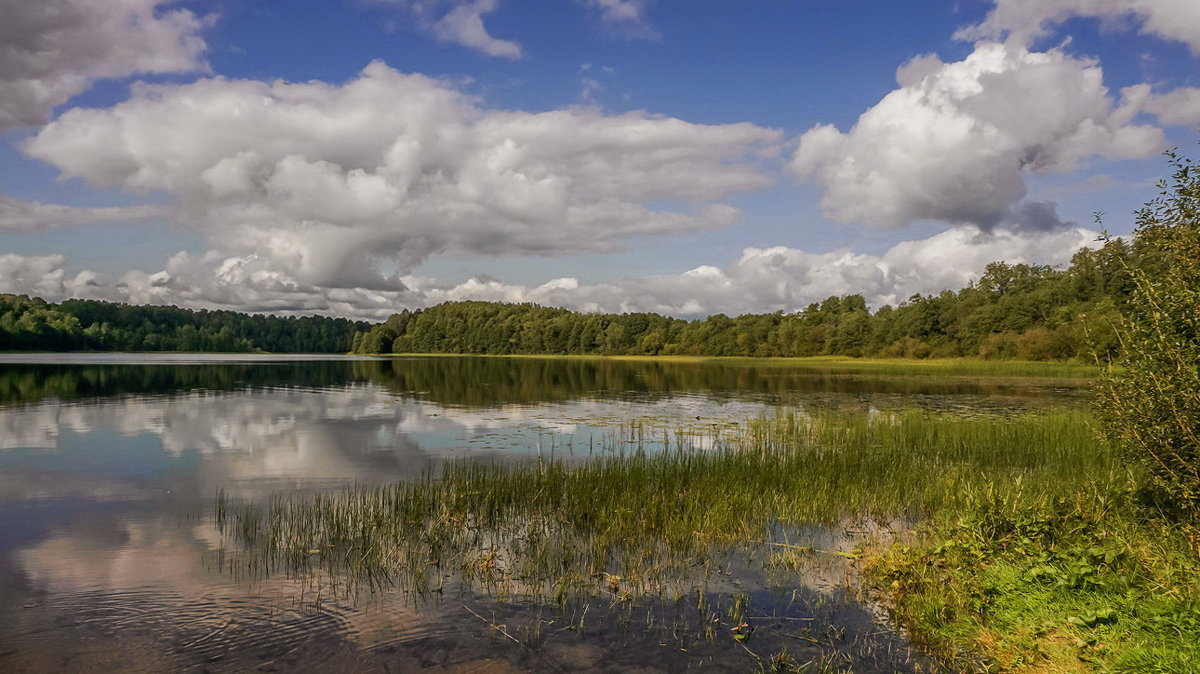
<point x="641" y="523"/>
<point x="628" y="522"/>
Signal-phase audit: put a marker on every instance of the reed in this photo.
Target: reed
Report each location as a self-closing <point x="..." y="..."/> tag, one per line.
<point x="634" y="519"/>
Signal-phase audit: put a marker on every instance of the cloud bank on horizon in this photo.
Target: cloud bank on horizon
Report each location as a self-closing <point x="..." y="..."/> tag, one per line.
<point x="327" y="197"/>
<point x="767" y="280"/>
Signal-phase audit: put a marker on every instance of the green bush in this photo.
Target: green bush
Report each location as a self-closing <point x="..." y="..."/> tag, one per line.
<point x="1150" y="404"/>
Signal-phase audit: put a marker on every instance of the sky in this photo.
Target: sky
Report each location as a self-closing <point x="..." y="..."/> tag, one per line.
<point x="358" y="157"/>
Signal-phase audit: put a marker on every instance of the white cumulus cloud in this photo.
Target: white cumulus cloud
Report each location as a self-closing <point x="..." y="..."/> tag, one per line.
<point x="1178" y="107"/>
<point x="51" y="50"/>
<point x="1022" y="21"/>
<point x="786" y="279"/>
<point x="336" y="184"/>
<point x="954" y="141"/>
<point x="760" y="280"/>
<point x="460" y="22"/>
<point x="43" y="276"/>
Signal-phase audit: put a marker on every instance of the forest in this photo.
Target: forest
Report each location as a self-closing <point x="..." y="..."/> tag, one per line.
<point x="1014" y="311"/>
<point x="32" y="324"/>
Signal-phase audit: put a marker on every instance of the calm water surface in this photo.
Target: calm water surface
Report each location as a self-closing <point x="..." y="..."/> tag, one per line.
<point x="110" y="464"/>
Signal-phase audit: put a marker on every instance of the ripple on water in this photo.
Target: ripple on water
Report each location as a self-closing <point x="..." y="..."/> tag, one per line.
<point x="155" y="629"/>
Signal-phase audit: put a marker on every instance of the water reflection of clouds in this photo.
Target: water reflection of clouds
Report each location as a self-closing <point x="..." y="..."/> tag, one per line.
<point x="252" y="441"/>
<point x="122" y="555"/>
<point x="36" y="427"/>
<point x="298" y="420"/>
<point x="147" y="595"/>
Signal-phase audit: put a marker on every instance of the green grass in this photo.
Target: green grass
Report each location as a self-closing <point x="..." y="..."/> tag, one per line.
<point x="550" y="527"/>
<point x="1090" y="581"/>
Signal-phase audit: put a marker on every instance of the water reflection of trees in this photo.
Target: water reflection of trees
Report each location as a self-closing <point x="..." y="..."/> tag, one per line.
<point x="483" y="382"/>
<point x="29" y="383"/>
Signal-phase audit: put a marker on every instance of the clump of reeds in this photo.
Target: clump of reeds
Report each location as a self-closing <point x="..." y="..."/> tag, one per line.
<point x="631" y="522"/>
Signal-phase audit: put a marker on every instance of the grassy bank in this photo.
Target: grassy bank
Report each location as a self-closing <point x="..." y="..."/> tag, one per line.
<point x="1089" y="581"/>
<point x="1034" y="552"/>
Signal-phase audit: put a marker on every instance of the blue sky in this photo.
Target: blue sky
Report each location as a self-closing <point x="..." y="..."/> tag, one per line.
<point x="356" y="157"/>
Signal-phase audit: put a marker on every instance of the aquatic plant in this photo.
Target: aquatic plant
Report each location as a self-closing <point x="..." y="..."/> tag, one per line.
<point x="626" y="520"/>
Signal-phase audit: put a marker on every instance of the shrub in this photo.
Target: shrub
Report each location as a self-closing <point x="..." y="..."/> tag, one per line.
<point x="1150" y="404"/>
<point x="1043" y="343"/>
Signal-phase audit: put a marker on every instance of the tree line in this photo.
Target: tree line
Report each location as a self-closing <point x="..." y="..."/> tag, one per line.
<point x="1021" y="311"/>
<point x="32" y="324"/>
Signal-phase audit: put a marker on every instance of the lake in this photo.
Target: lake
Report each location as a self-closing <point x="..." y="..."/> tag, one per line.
<point x="115" y="468"/>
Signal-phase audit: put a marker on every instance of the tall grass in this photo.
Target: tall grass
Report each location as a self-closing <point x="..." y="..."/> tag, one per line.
<point x="628" y="520"/>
